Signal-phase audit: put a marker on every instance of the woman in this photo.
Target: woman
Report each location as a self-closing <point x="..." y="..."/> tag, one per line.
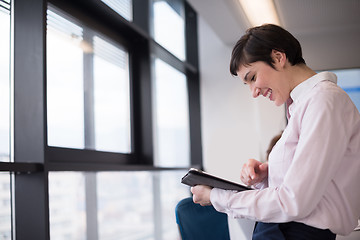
<point x="309" y="187"/>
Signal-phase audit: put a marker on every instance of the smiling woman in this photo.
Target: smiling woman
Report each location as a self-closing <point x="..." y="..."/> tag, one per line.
<point x="252" y="47"/>
<point x="261" y="64"/>
<point x="299" y="189"/>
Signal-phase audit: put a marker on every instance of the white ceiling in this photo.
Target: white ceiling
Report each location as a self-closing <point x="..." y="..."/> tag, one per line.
<point x="328" y="30"/>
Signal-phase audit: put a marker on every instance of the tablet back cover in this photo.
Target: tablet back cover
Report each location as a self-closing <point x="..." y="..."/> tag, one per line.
<point x="197" y="177"/>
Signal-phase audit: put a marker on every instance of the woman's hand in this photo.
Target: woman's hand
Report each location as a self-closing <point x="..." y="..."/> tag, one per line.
<point x="201" y="194"/>
<point x="253" y="172"/>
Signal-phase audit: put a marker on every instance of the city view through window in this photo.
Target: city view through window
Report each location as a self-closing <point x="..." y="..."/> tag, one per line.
<point x="88" y="102"/>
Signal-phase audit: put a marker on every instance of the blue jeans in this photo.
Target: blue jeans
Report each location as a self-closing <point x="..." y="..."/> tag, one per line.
<point x="290" y="231"/>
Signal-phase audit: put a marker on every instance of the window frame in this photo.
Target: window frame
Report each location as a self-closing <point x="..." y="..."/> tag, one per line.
<point x="141" y="47"/>
<point x="32" y="158"/>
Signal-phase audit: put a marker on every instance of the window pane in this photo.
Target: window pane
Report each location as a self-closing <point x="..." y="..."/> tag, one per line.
<point x="4" y="83"/>
<point x="112" y="99"/>
<point x="5" y="207"/>
<point x="88" y="88"/>
<point x="172" y="140"/>
<point x="125" y="205"/>
<point x="65" y="86"/>
<point x="171" y="192"/>
<point x="129" y="205"/>
<point x="349" y="80"/>
<point x="169" y="26"/>
<point x="122" y="7"/>
<point x="141" y="207"/>
<point x="67" y="206"/>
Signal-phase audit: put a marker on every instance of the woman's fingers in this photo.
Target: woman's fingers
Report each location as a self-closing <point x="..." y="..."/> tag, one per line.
<point x="253" y="172"/>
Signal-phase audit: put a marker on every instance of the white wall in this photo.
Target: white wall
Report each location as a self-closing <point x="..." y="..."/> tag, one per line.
<point x="235" y="127"/>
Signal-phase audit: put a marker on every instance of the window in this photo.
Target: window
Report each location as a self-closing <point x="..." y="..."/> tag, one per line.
<point x="122" y="7"/>
<point x="4" y="81"/>
<point x="98" y="81"/>
<point x="65" y="83"/>
<point x="89" y="97"/>
<point x="171" y="192"/>
<point x="349" y="80"/>
<point x="169" y="26"/>
<point x="67" y="205"/>
<point x="125" y="211"/>
<point x="5" y="207"/>
<point x="171" y="118"/>
<point x="5" y="183"/>
<point x="122" y="211"/>
<point x="88" y="88"/>
<point x="111" y="97"/>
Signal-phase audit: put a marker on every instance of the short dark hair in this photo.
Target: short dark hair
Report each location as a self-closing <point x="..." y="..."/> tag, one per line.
<point x="258" y="43"/>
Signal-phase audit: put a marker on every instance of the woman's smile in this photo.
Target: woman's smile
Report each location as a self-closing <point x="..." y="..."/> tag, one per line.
<point x="268" y="94"/>
<point x="264" y="80"/>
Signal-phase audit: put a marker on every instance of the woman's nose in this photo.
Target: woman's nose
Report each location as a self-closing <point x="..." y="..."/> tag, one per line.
<point x="255" y="91"/>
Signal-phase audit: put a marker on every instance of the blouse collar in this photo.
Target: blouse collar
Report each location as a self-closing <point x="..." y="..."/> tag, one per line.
<point x="311" y="82"/>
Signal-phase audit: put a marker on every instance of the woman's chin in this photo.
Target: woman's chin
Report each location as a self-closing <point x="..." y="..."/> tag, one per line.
<point x="278" y="103"/>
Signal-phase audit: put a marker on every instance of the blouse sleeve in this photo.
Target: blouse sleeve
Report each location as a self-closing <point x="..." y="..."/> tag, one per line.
<point x="324" y="134"/>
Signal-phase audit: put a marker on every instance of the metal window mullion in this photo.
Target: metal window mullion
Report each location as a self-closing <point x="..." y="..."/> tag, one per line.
<point x="89" y="123"/>
<point x="142" y="14"/>
<point x="193" y="83"/>
<point x="141" y="104"/>
<point x="88" y="67"/>
<point x="91" y="206"/>
<point x="31" y="202"/>
<point x="157" y="206"/>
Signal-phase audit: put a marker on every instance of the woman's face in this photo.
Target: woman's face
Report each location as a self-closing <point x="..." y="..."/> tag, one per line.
<point x="266" y="81"/>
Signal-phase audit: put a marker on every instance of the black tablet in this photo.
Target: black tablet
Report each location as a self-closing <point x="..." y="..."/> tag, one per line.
<point x="197" y="177"/>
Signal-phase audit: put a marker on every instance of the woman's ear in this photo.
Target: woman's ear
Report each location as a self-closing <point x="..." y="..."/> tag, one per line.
<point x="279" y="58"/>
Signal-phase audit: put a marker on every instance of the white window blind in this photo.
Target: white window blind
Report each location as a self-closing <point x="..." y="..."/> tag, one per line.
<point x="122" y="7"/>
<point x="5" y="6"/>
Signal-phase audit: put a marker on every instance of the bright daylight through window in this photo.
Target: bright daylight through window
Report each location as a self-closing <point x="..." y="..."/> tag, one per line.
<point x="169" y="26"/>
<point x="4" y="82"/>
<point x="122" y="7"/>
<point x="101" y="112"/>
<point x="349" y="80"/>
<point x="122" y="212"/>
<point x="87" y="88"/>
<point x="172" y="140"/>
<point x="5" y="191"/>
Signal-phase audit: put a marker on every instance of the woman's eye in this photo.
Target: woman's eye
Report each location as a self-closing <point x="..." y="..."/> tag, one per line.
<point x="253" y="78"/>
